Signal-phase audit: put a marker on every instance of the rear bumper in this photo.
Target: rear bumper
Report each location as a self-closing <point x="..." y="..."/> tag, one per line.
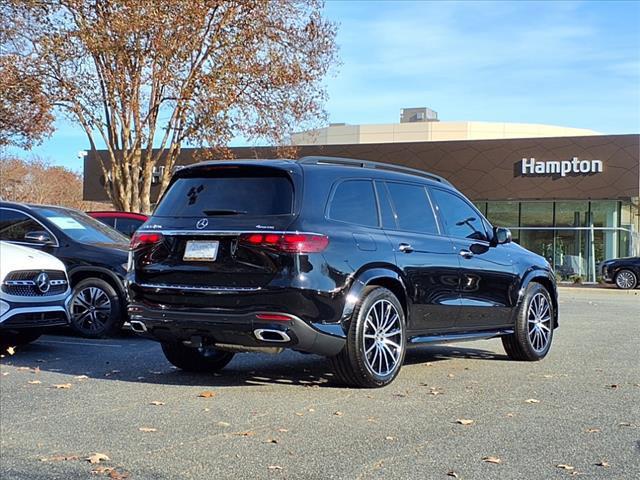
<point x="175" y="325"/>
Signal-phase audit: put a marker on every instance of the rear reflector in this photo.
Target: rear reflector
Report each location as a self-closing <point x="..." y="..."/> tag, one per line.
<point x="288" y="242"/>
<point x="277" y="317"/>
<point x="140" y="239"/>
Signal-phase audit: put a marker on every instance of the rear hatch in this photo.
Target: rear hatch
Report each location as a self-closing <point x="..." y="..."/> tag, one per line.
<point x="200" y="235"/>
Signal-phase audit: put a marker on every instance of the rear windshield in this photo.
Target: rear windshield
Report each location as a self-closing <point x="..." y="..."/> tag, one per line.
<point x="227" y="195"/>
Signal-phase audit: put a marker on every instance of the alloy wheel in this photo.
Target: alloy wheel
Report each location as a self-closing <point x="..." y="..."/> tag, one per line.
<point x="539" y="321"/>
<point x="383" y="338"/>
<point x="91" y="309"/>
<point x="625" y="280"/>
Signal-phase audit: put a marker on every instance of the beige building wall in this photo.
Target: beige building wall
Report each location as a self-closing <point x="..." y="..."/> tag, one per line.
<point x="431" y="131"/>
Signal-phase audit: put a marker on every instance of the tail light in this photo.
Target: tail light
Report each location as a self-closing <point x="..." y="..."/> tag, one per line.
<point x="287" y="242"/>
<point x="141" y="239"/>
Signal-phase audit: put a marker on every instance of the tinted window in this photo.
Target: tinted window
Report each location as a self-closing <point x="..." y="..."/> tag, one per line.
<point x="354" y="201"/>
<point x="81" y="227"/>
<point x="107" y="221"/>
<point x="15" y="225"/>
<point x="227" y="195"/>
<point x="458" y="217"/>
<point x="128" y="226"/>
<point x="388" y="217"/>
<point x="412" y="207"/>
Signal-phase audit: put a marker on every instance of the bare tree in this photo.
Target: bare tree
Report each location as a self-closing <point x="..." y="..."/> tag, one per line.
<point x="143" y="78"/>
<point x="36" y="180"/>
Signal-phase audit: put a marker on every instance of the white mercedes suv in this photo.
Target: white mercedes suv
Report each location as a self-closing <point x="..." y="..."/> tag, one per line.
<point x="34" y="293"/>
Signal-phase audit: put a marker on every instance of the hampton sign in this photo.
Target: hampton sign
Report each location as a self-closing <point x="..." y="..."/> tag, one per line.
<point x="562" y="168"/>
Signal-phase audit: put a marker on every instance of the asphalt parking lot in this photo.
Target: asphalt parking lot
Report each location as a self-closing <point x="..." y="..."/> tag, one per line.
<point x="576" y="412"/>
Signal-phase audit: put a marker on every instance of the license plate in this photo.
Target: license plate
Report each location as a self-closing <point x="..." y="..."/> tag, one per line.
<point x="200" y="250"/>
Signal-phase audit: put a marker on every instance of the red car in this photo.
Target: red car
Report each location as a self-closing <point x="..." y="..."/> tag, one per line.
<point x="125" y="222"/>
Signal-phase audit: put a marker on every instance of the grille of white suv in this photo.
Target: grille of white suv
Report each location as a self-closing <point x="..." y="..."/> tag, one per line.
<point x="29" y="283"/>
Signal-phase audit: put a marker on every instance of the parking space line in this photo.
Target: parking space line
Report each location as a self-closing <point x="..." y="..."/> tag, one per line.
<point x="81" y="343"/>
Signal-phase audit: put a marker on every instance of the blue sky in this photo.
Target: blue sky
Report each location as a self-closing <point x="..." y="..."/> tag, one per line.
<point x="573" y="64"/>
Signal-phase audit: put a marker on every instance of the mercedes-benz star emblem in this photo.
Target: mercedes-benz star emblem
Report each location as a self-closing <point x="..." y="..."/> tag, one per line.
<point x="42" y="282"/>
<point x="202" y="223"/>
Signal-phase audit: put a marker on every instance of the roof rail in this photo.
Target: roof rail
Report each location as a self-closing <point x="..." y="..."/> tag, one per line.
<point x="352" y="162"/>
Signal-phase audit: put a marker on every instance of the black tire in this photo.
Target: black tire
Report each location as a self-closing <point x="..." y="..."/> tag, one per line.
<point x="201" y="360"/>
<point x="524" y="344"/>
<point x="626" y="279"/>
<point x="353" y="364"/>
<point x="106" y="317"/>
<point x="22" y="337"/>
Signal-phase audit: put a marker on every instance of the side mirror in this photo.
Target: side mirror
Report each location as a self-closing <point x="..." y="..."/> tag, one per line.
<point x="501" y="235"/>
<point x="39" y="236"/>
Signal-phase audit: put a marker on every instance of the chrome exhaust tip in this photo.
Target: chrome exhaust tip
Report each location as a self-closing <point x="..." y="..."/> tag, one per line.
<point x="269" y="335"/>
<point x="138" y="326"/>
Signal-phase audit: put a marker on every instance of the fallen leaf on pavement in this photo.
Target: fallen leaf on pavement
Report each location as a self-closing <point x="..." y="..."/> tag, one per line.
<point x="532" y="400"/>
<point x="102" y="470"/>
<point x="271" y="440"/>
<point x="207" y="394"/>
<point x="564" y="466"/>
<point x="464" y="421"/>
<point x="299" y="414"/>
<point x="510" y="414"/>
<point x="148" y="429"/>
<point x="224" y="424"/>
<point x="338" y="414"/>
<point x="246" y="434"/>
<point x="34" y="382"/>
<point x="156" y="403"/>
<point x="59" y="458"/>
<point x="62" y="386"/>
<point x="592" y="430"/>
<point x="603" y="463"/>
<point x="275" y="467"/>
<point x="625" y="424"/>
<point x="452" y="474"/>
<point x="495" y="460"/>
<point x="613" y="386"/>
<point x="389" y="438"/>
<point x="4" y="374"/>
<point x="97" y="458"/>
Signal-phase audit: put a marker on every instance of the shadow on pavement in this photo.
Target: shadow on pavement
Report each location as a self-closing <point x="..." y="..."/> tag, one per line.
<point x="128" y="358"/>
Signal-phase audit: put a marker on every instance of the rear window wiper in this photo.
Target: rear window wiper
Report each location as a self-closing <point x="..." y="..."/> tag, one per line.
<point x="212" y="213"/>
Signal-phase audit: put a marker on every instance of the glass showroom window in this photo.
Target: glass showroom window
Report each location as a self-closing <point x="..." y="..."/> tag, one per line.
<point x="537" y="234"/>
<point x="504" y="214"/>
<point x="569" y="251"/>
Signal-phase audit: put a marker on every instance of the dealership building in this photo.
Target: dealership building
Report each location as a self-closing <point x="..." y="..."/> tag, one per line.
<point x="571" y="195"/>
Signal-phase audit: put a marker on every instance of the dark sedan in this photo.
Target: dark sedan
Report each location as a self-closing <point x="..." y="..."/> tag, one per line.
<point x="95" y="256"/>
<point x="624" y="272"/>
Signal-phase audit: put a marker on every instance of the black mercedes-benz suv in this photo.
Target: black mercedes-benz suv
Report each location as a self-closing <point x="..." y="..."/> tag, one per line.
<point x="345" y="258"/>
<point x="95" y="256"/>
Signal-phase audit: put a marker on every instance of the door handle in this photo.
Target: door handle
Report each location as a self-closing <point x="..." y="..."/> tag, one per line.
<point x="405" y="248"/>
<point x="466" y="254"/>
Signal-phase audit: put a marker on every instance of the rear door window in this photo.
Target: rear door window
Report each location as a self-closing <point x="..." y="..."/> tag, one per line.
<point x="228" y="195"/>
<point x="354" y="201"/>
<point x="412" y="208"/>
